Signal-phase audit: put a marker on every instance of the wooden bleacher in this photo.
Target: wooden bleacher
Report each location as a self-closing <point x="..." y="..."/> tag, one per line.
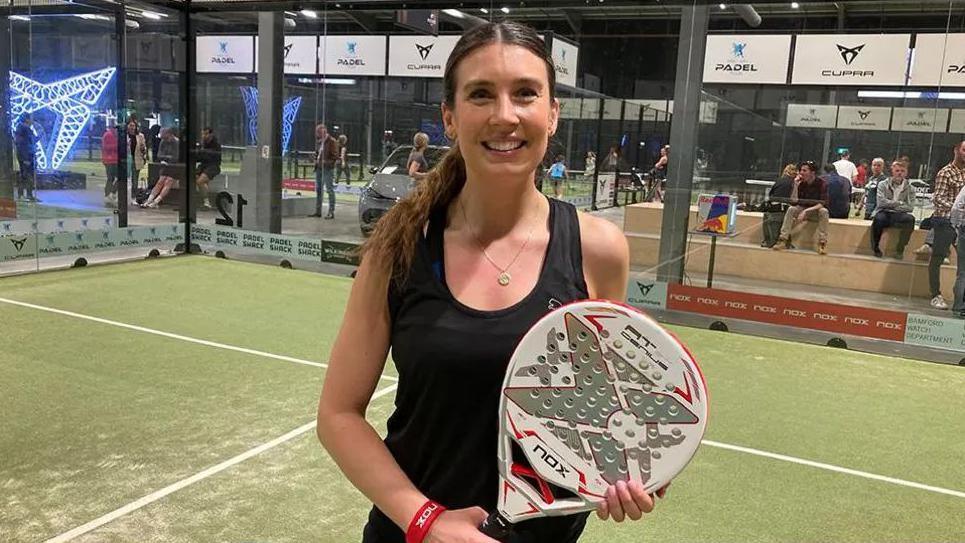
<point x="849" y="263"/>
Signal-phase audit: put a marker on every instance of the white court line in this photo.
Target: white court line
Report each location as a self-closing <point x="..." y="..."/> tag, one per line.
<point x="172" y="488"/>
<point x="837" y="469"/>
<point x="176" y="336"/>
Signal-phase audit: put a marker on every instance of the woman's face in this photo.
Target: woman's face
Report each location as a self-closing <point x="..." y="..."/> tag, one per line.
<point x="502" y="115"/>
<point x="131" y="128"/>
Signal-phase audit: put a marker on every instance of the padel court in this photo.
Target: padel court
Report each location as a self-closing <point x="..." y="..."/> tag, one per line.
<point x="174" y="400"/>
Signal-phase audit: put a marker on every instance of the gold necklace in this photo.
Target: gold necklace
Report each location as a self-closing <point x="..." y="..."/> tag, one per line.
<point x="504" y="277"/>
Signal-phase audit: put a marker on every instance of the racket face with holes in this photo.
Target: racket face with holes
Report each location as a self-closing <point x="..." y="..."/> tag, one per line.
<point x="596" y="392"/>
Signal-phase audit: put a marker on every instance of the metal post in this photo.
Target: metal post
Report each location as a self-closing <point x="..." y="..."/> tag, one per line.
<point x="120" y="86"/>
<point x="616" y="181"/>
<point x="683" y="142"/>
<point x="265" y="201"/>
<point x="596" y="171"/>
<point x="6" y="142"/>
<point x="189" y="128"/>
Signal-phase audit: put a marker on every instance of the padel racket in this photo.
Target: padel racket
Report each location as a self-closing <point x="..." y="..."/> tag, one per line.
<point x="596" y="392"/>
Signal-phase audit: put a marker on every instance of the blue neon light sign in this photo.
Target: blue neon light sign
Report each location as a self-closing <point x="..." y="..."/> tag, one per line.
<point x="72" y="101"/>
<point x="289" y="112"/>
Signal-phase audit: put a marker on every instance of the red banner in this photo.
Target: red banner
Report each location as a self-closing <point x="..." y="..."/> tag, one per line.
<point x="298" y="184"/>
<point x="841" y="319"/>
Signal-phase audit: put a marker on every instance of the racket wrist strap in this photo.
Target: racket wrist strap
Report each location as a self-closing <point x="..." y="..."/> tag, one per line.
<point x="422" y="521"/>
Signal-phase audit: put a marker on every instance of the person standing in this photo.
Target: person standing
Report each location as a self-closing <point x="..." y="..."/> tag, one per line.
<point x="846" y="168"/>
<point x="209" y="163"/>
<point x="109" y="159"/>
<point x="453" y="277"/>
<point x="342" y="164"/>
<point x="326" y="155"/>
<point x="839" y="193"/>
<point x="138" y="150"/>
<point x="871" y="188"/>
<point x="895" y="201"/>
<point x="558" y="176"/>
<point x="416" y="165"/>
<point x="25" y="141"/>
<point x="948" y="183"/>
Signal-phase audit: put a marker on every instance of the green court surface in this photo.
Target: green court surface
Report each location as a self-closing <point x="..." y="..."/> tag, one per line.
<point x="97" y="414"/>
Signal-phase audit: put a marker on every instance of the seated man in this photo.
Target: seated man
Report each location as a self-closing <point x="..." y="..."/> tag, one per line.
<point x="896" y="199"/>
<point x="809" y="202"/>
<point x="839" y="193"/>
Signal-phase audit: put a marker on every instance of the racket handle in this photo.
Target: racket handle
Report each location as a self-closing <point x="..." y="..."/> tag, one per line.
<point x="496" y="527"/>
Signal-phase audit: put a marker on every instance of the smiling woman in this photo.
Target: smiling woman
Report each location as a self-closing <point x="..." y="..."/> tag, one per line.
<point x="451" y="279"/>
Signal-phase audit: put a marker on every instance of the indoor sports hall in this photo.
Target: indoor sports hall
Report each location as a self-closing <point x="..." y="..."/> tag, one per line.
<point x="186" y="188"/>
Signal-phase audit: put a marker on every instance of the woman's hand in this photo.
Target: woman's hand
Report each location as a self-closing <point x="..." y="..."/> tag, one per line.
<point x="459" y="526"/>
<point x="627" y="500"/>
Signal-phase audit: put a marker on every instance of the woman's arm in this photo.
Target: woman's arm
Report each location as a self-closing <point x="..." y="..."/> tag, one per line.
<point x="414" y="170"/>
<point x="606" y="258"/>
<point x="355" y="366"/>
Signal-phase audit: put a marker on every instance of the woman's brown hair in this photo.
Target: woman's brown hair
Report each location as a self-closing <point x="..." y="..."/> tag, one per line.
<point x="393" y="244"/>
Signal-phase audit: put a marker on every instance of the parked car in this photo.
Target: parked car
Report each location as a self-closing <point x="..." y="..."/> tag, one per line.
<point x="390" y="183"/>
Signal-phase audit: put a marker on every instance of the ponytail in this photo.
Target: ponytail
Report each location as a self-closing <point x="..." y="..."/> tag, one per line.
<point x="393" y="243"/>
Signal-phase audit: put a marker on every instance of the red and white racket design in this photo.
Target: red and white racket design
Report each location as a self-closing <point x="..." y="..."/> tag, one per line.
<point x="596" y="392"/>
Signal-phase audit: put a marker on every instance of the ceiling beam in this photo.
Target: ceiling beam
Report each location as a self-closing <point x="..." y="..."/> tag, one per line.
<point x="574" y="19"/>
<point x="366" y="21"/>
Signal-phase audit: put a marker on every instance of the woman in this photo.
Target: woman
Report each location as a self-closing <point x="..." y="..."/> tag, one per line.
<point x="342" y="165"/>
<point x="590" y="167"/>
<point x="776" y="204"/>
<point x="658" y="174"/>
<point x="167" y="153"/>
<point x="138" y="147"/>
<point x="417" y="165"/>
<point x="451" y="279"/>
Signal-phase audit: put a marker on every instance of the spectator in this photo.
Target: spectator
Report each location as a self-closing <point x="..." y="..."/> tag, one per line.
<point x="109" y="159"/>
<point x="839" y="193"/>
<point x="209" y="163"/>
<point x="590" y="166"/>
<point x="896" y="200"/>
<point x="613" y="160"/>
<point x="417" y="165"/>
<point x="862" y="178"/>
<point x="846" y="168"/>
<point x="25" y="141"/>
<point x="168" y="152"/>
<point x="342" y="164"/>
<point x="776" y="205"/>
<point x="948" y="183"/>
<point x="155" y="140"/>
<point x="809" y="202"/>
<point x="871" y="188"/>
<point x="326" y="155"/>
<point x="138" y="148"/>
<point x="557" y="175"/>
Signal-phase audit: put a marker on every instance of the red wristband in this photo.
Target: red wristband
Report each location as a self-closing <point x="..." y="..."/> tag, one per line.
<point x="422" y="521"/>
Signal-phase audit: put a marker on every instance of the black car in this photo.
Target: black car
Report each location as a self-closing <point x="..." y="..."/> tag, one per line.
<point x="390" y="183"/>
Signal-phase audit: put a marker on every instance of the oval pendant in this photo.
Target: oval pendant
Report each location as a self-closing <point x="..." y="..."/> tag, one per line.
<point x="504" y="279"/>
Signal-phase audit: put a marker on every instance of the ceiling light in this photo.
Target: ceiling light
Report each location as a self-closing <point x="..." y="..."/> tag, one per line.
<point x="504" y="9"/>
<point x="153" y="15"/>
<point x="19" y="17"/>
<point x="92" y="17"/>
<point x="310" y="14"/>
<point x="723" y="6"/>
<point x="454" y="13"/>
<point x="484" y="10"/>
<point x="795" y="5"/>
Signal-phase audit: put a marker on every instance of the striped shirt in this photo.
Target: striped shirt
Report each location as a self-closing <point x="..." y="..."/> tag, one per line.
<point x="948" y="183"/>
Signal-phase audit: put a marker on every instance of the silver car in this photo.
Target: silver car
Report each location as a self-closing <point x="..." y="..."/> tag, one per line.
<point x="389" y="184"/>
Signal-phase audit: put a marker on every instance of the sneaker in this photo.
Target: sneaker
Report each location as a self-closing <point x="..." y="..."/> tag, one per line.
<point x="152" y="205"/>
<point x="206" y="205"/>
<point x="938" y="302"/>
<point x="878" y="253"/>
<point x="900" y="255"/>
<point x="923" y="250"/>
<point x="781" y="245"/>
<point x="822" y="248"/>
<point x="330" y="216"/>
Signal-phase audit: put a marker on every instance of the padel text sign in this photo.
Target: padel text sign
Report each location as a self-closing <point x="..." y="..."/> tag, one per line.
<point x="279" y="245"/>
<point x="839" y="319"/>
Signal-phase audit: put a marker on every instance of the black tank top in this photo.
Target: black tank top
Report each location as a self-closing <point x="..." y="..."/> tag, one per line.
<point x="451" y="361"/>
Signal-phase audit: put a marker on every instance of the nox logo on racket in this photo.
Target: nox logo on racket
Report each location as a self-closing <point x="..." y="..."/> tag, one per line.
<point x="551" y="460"/>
